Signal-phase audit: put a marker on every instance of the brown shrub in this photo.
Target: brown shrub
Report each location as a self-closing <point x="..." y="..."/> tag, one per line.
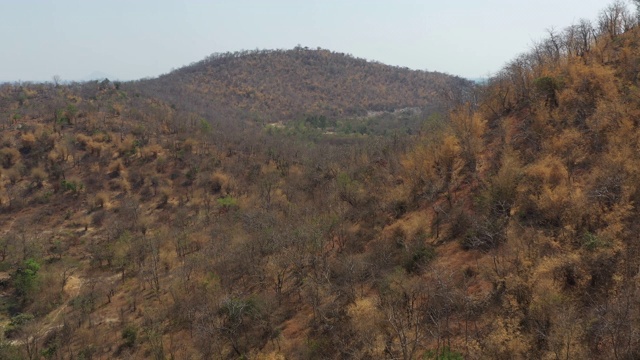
<point x="127" y="146"/>
<point x="9" y="157"/>
<point x="151" y="152"/>
<point x="13" y="175"/>
<point x="100" y="200"/>
<point x="38" y="175"/>
<point x="94" y="148"/>
<point x="101" y="137"/>
<point x="165" y="194"/>
<point x="27" y="141"/>
<point x="189" y="145"/>
<point x="83" y="141"/>
<point x="116" y="168"/>
<point x="119" y="185"/>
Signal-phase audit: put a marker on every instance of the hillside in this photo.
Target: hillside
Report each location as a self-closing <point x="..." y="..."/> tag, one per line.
<point x="137" y="227"/>
<point x="132" y="227"/>
<point x="284" y="85"/>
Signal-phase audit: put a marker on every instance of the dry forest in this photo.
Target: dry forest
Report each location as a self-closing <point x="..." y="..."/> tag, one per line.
<point x="306" y="204"/>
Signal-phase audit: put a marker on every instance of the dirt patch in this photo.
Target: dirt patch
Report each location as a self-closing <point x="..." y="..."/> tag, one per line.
<point x="73" y="285"/>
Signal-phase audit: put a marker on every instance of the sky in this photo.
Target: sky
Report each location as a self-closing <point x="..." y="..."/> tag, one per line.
<point x="133" y="39"/>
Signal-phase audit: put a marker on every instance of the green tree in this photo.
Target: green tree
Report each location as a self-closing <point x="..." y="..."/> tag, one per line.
<point x="25" y="279"/>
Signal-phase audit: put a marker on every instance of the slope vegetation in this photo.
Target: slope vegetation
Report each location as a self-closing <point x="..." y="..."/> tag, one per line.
<point x="134" y="228"/>
<point x="283" y="85"/>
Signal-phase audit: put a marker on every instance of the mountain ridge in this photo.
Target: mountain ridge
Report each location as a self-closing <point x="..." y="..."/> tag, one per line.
<point x="288" y="84"/>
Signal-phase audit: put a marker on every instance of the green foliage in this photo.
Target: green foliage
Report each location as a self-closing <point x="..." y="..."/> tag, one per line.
<point x="227" y="202"/>
<point x="344" y="180"/>
<point x="25" y="279"/>
<point x="138" y="131"/>
<point x="348" y="189"/>
<point x="192" y="173"/>
<point x="17" y="322"/>
<point x="319" y="121"/>
<point x="547" y="84"/>
<point x="83" y="303"/>
<point x="87" y="352"/>
<point x="62" y="117"/>
<point x="129" y="336"/>
<point x="419" y="258"/>
<point x="50" y="351"/>
<point x="445" y="354"/>
<point x="205" y="126"/>
<point x="72" y="185"/>
<point x="548" y="87"/>
<point x="10" y="352"/>
<point x="591" y="241"/>
<point x="235" y="309"/>
<point x="317" y="348"/>
<point x="71" y="110"/>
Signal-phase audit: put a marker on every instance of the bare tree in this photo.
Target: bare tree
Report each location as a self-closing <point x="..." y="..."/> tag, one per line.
<point x="56" y="80"/>
<point x="615" y="19"/>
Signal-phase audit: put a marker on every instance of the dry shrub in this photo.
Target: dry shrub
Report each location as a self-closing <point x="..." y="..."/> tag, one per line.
<point x="120" y="184"/>
<point x="6" y="141"/>
<point x="469" y="130"/>
<point x="84" y="222"/>
<point x="546" y="196"/>
<point x="548" y="171"/>
<point x="218" y="183"/>
<point x="45" y="141"/>
<point x="127" y="146"/>
<point x="9" y="157"/>
<point x="61" y="153"/>
<point x="95" y="148"/>
<point x="586" y="85"/>
<point x="165" y="194"/>
<point x="137" y="177"/>
<point x="38" y="175"/>
<point x="116" y="168"/>
<point x="54" y="157"/>
<point x="162" y="164"/>
<point x="189" y="145"/>
<point x="97" y="219"/>
<point x="101" y="137"/>
<point x="100" y="200"/>
<point x="151" y="152"/>
<point x="365" y="319"/>
<point x="570" y="145"/>
<point x="27" y="142"/>
<point x="13" y="175"/>
<point x="432" y="167"/>
<point x="83" y="140"/>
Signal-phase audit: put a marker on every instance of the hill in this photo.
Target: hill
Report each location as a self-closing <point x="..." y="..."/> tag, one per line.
<point x="132" y="227"/>
<point x="284" y="85"/>
<point x="130" y="223"/>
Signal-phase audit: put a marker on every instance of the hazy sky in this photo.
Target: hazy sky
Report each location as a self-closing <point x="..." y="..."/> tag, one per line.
<point x="131" y="39"/>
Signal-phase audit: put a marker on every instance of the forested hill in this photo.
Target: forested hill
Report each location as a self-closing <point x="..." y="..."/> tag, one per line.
<point x="133" y="227"/>
<point x="275" y="85"/>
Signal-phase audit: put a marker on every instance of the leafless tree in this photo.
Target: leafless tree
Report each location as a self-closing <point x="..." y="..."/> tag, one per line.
<point x="615" y="19"/>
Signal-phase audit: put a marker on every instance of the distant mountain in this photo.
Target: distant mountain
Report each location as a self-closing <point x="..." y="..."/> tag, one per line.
<point x="479" y="80"/>
<point x="97" y="75"/>
<point x="275" y="85"/>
